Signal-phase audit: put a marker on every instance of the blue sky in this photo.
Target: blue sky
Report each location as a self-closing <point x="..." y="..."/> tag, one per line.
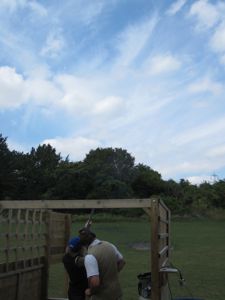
<point x="147" y="76"/>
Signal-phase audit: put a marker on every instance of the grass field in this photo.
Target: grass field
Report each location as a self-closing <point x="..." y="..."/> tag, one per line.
<point x="198" y="251"/>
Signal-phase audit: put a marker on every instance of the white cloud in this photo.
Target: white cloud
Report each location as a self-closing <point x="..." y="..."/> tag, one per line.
<point x="89" y="97"/>
<point x="206" y="85"/>
<point x="108" y="105"/>
<point x="40" y="71"/>
<point x="19" y="147"/>
<point x="176" y="7"/>
<point x="210" y="18"/>
<point x="222" y="60"/>
<point x="216" y="151"/>
<point x="34" y="6"/>
<point x="16" y="90"/>
<point x="132" y="40"/>
<point x="190" y="165"/>
<point x="71" y="94"/>
<point x="37" y="8"/>
<point x="54" y="45"/>
<point x="76" y="147"/>
<point x="200" y="179"/>
<point x="205" y="130"/>
<point x="43" y="92"/>
<point x="163" y="64"/>
<point x="92" y="10"/>
<point x="12" y="4"/>
<point x="207" y="14"/>
<point x="79" y="94"/>
<point x="217" y="41"/>
<point x="12" y="88"/>
<point x="184" y="167"/>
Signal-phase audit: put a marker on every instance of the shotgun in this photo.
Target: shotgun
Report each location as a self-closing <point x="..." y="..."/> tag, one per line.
<point x="89" y="221"/>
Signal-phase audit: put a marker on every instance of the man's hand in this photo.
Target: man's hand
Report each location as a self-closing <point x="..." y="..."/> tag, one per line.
<point x="79" y="261"/>
<point x="94" y="284"/>
<point x="88" y="292"/>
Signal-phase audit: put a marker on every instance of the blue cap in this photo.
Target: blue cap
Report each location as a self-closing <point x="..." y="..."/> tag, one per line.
<point x="74" y="243"/>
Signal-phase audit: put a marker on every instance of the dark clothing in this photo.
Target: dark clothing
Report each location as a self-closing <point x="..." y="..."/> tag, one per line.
<point x="78" y="278"/>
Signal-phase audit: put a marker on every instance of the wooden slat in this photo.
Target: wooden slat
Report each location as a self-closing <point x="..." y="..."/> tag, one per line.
<point x="163" y="250"/>
<point x="161" y="203"/>
<point x="165" y="262"/>
<point x="21" y="268"/>
<point x="165" y="221"/>
<point x="147" y="210"/>
<point x="68" y="222"/>
<point x="57" y="298"/>
<point x="73" y="204"/>
<point x="163" y="235"/>
<point x="155" y="293"/>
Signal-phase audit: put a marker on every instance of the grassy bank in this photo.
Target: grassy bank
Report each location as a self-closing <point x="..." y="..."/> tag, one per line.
<point x="198" y="251"/>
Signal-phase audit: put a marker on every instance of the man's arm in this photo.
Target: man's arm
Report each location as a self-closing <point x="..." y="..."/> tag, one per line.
<point x="94" y="284"/>
<point x="92" y="270"/>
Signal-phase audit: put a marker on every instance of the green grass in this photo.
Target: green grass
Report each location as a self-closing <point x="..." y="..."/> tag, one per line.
<point x="198" y="251"/>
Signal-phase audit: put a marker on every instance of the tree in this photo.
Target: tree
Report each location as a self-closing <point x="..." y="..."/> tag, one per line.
<point x="146" y="182"/>
<point x="72" y="181"/>
<point x="6" y="170"/>
<point x="109" y="163"/>
<point x="219" y="190"/>
<point x="36" y="172"/>
<point x="110" y="171"/>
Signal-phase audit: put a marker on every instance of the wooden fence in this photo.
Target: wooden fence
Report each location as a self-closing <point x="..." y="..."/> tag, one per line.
<point x="30" y="239"/>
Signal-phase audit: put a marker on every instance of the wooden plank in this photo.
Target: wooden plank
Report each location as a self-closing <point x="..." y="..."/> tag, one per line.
<point x="13" y="273"/>
<point x="8" y="288"/>
<point x="68" y="222"/>
<point x="147" y="210"/>
<point x="29" y="285"/>
<point x="163" y="205"/>
<point x="18" y="217"/>
<point x="168" y="230"/>
<point x="155" y="294"/>
<point x="57" y="298"/>
<point x="47" y="253"/>
<point x="75" y="204"/>
<point x="165" y="221"/>
<point x="163" y="250"/>
<point x="163" y="235"/>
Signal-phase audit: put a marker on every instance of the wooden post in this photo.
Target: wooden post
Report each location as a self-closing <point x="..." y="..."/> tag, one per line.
<point x="47" y="255"/>
<point x="155" y="293"/>
<point x="67" y="237"/>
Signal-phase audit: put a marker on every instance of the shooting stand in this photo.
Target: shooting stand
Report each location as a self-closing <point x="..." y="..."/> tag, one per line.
<point x="38" y="235"/>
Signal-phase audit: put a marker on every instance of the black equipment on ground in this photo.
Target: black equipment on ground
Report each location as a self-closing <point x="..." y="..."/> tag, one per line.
<point x="144" y="285"/>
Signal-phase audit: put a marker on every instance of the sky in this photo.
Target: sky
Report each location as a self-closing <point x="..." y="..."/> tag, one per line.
<point x="142" y="75"/>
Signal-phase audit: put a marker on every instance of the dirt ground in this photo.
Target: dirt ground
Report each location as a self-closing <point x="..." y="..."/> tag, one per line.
<point x="141" y="246"/>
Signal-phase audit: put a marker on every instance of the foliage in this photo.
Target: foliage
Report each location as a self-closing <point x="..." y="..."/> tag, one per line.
<point x="104" y="173"/>
<point x="6" y="170"/>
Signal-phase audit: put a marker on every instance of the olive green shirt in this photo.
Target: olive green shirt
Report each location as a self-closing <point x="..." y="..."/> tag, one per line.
<point x="108" y="273"/>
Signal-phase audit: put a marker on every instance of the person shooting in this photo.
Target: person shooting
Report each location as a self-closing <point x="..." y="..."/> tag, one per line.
<point x="103" y="263"/>
<point x="73" y="261"/>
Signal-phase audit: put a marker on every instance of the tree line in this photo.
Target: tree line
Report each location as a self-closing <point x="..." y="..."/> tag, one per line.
<point x="103" y="174"/>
